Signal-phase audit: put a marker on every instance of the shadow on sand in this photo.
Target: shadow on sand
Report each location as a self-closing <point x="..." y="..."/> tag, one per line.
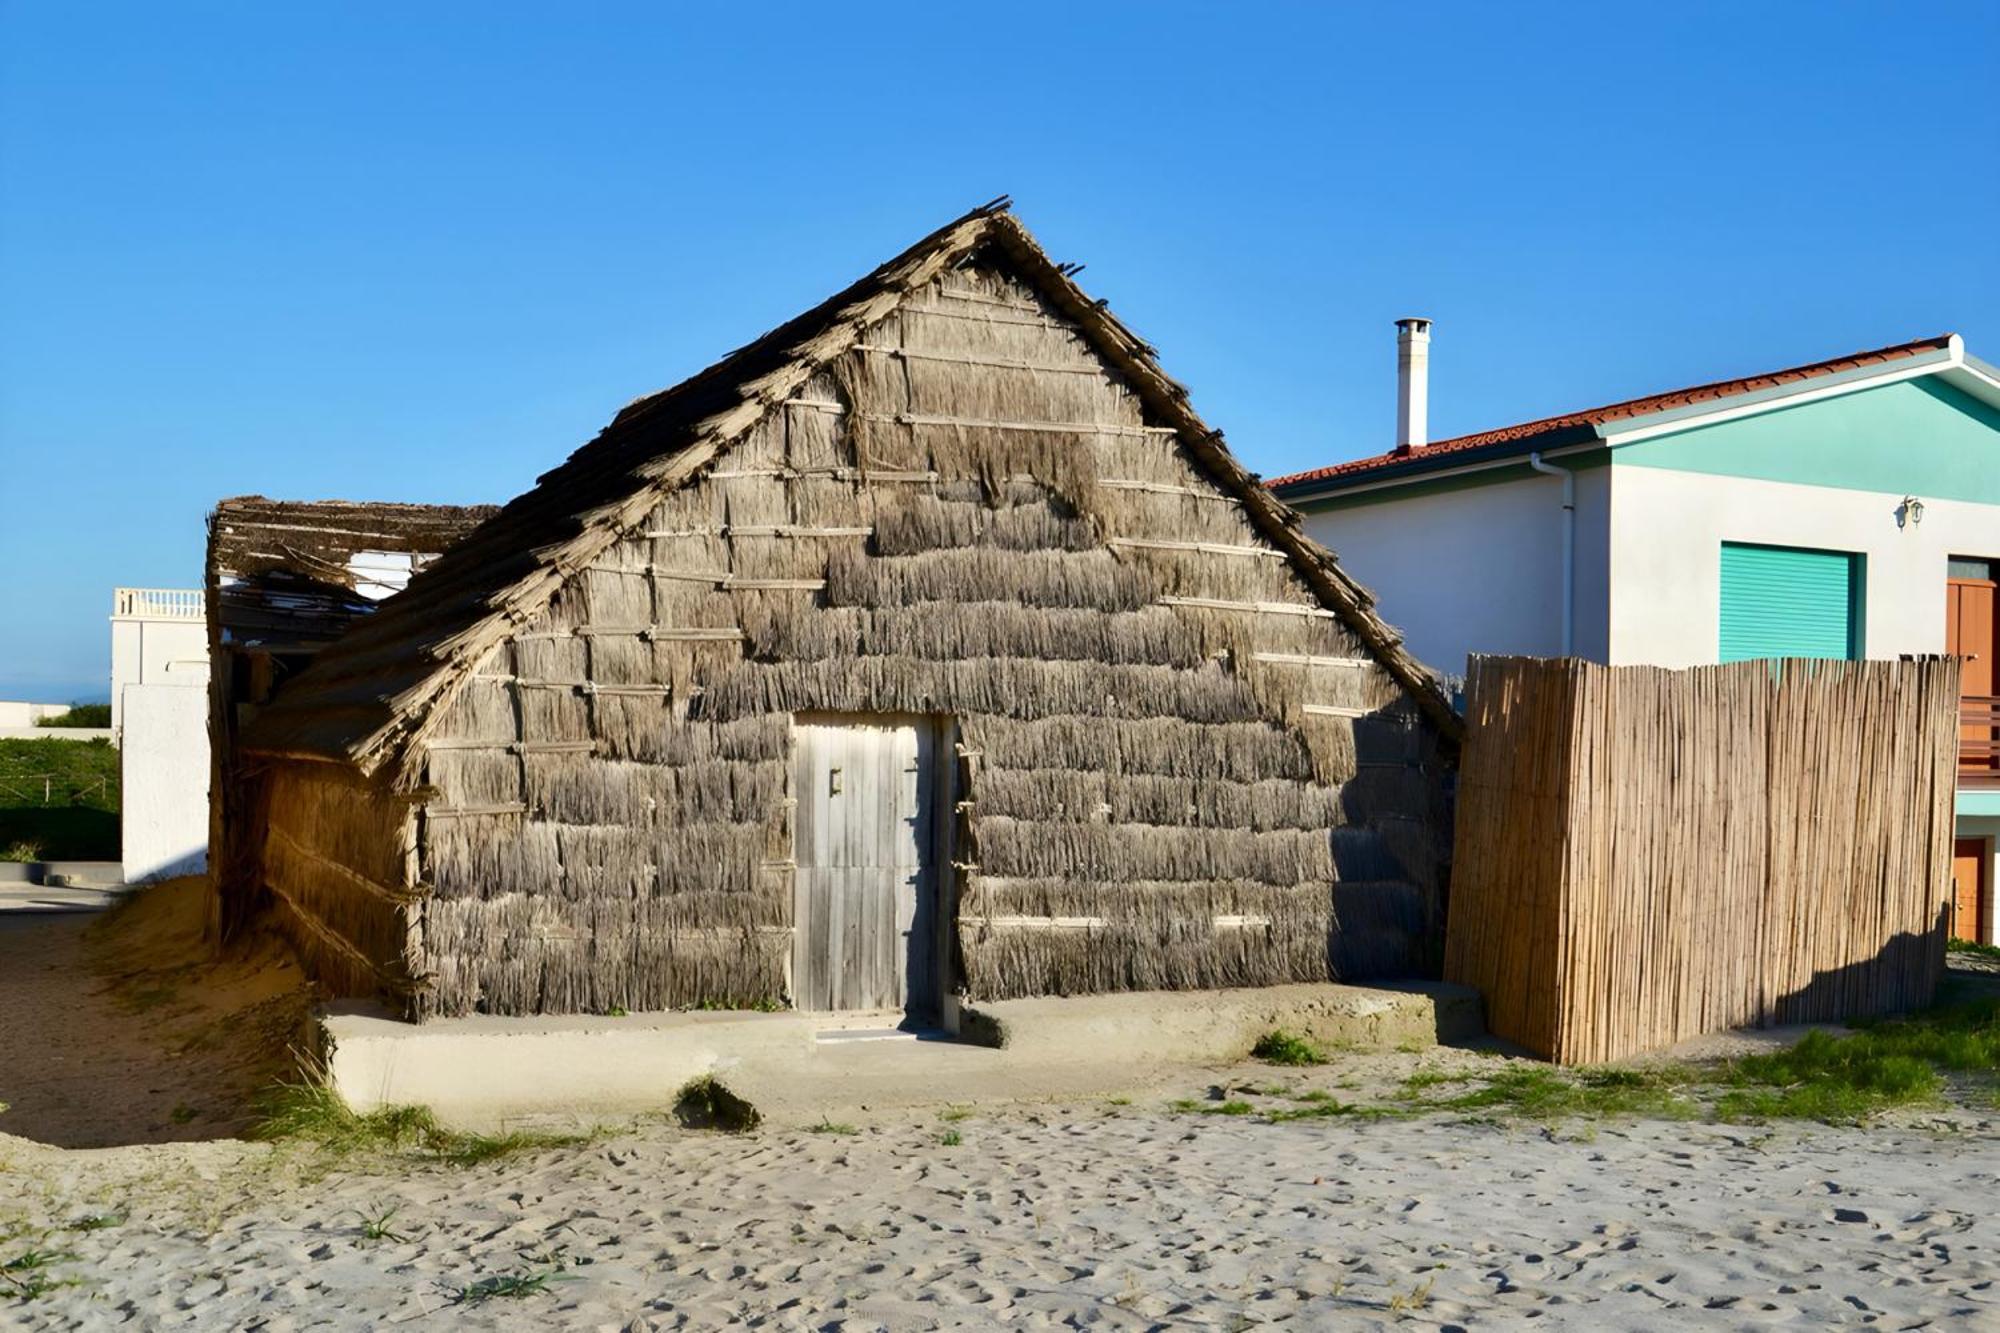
<point x="120" y="1027"/>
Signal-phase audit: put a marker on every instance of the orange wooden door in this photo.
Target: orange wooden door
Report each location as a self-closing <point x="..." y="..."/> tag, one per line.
<point x="1968" y="898"/>
<point x="1973" y="632"/>
<point x="1969" y="630"/>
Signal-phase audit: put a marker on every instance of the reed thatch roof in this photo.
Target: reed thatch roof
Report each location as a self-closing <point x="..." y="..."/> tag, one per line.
<point x="370" y="695"/>
<point x="283" y="573"/>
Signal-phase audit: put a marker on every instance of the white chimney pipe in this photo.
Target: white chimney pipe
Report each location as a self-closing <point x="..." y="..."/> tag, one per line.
<point x="1413" y="383"/>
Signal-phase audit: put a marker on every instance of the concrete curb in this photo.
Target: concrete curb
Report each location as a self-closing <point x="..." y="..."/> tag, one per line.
<point x="105" y="874"/>
<point x="483" y="1071"/>
<point x="1222" y="1026"/>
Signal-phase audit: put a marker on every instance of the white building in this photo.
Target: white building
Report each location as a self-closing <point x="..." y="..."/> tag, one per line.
<point x="18" y="716"/>
<point x="1848" y="508"/>
<point x="159" y="636"/>
<point x="159" y="713"/>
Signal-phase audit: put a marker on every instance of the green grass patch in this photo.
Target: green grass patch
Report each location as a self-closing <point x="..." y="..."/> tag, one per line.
<point x="381" y="1226"/>
<point x="28" y="1275"/>
<point x="1193" y="1107"/>
<point x="1973" y="950"/>
<point x="826" y="1126"/>
<point x="309" y="1112"/>
<point x="1950" y="1051"/>
<point x="505" y="1287"/>
<point x="1280" y="1047"/>
<point x="58" y="800"/>
<point x="1888" y="1063"/>
<point x="1432" y="1078"/>
<point x="1332" y="1108"/>
<point x="1840" y="1078"/>
<point x="951" y="1138"/>
<point x="1543" y="1092"/>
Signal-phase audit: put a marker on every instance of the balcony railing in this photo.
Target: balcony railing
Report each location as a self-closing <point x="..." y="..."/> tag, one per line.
<point x="1979" y="740"/>
<point x="157" y="604"/>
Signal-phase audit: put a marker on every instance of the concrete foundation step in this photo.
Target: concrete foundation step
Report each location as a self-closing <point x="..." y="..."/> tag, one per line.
<point x="797" y="1068"/>
<point x="1197" y="1027"/>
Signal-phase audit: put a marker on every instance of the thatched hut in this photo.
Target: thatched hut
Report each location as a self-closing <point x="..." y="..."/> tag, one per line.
<point x="283" y="579"/>
<point x="930" y="645"/>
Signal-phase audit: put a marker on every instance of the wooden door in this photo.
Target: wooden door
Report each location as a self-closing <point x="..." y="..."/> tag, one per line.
<point x="1973" y="632"/>
<point x="1969" y="860"/>
<point x="864" y="895"/>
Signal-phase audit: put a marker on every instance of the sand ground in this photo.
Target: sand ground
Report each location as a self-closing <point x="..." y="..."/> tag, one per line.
<point x="1074" y="1215"/>
<point x="118" y="1028"/>
<point x="1103" y="1212"/>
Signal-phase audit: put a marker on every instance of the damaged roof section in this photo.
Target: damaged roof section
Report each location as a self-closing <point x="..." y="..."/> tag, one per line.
<point x="287" y="576"/>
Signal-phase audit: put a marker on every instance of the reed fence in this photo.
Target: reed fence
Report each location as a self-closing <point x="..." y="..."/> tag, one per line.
<point x="1643" y="855"/>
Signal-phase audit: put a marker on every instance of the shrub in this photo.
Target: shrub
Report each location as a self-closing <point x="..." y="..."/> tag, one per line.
<point x="705" y="1104"/>
<point x="1279" y="1047"/>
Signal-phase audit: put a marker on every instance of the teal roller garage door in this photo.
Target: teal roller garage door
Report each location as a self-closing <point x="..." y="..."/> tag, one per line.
<point x="1787" y="601"/>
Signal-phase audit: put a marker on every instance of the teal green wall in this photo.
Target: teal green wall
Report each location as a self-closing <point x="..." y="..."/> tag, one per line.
<point x="1917" y="437"/>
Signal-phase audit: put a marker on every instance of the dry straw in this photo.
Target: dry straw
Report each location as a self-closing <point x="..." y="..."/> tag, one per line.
<point x="1645" y="855"/>
<point x="959" y="489"/>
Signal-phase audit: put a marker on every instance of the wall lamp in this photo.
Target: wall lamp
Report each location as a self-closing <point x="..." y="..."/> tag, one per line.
<point x="1910" y="513"/>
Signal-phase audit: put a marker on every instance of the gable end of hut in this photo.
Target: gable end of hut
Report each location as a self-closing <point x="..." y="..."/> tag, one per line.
<point x="1175" y="764"/>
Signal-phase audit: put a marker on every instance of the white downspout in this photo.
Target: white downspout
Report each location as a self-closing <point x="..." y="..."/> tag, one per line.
<point x="1569" y="548"/>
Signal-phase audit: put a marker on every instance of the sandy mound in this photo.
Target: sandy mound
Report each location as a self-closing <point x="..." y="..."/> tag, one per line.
<point x="127" y="1028"/>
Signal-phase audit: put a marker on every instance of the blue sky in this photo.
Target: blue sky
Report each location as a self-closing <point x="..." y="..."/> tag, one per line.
<point x="420" y="252"/>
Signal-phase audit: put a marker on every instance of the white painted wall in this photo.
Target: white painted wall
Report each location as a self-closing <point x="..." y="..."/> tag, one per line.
<point x="163" y="780"/>
<point x="13" y="714"/>
<point x="1665" y="557"/>
<point x="155" y="652"/>
<point x="59" y="734"/>
<point x="1478" y="569"/>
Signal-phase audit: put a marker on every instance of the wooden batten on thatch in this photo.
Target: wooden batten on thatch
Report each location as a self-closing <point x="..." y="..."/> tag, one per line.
<point x="1184" y="749"/>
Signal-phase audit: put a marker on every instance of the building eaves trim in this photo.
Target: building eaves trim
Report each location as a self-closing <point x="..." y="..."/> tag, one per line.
<point x="1672" y="420"/>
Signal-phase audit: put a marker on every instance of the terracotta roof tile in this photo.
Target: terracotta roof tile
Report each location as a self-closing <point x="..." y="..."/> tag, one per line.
<point x="1585" y="424"/>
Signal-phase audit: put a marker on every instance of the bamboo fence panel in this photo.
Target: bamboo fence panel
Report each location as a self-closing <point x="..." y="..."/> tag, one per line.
<point x="1643" y="855"/>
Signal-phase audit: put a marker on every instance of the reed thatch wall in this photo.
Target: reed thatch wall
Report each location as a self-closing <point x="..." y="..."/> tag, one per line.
<point x="1645" y="855"/>
<point x="1179" y="767"/>
<point x="337" y="864"/>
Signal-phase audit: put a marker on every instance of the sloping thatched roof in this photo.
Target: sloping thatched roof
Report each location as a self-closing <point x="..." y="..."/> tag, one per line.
<point x="283" y="572"/>
<point x="369" y="697"/>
